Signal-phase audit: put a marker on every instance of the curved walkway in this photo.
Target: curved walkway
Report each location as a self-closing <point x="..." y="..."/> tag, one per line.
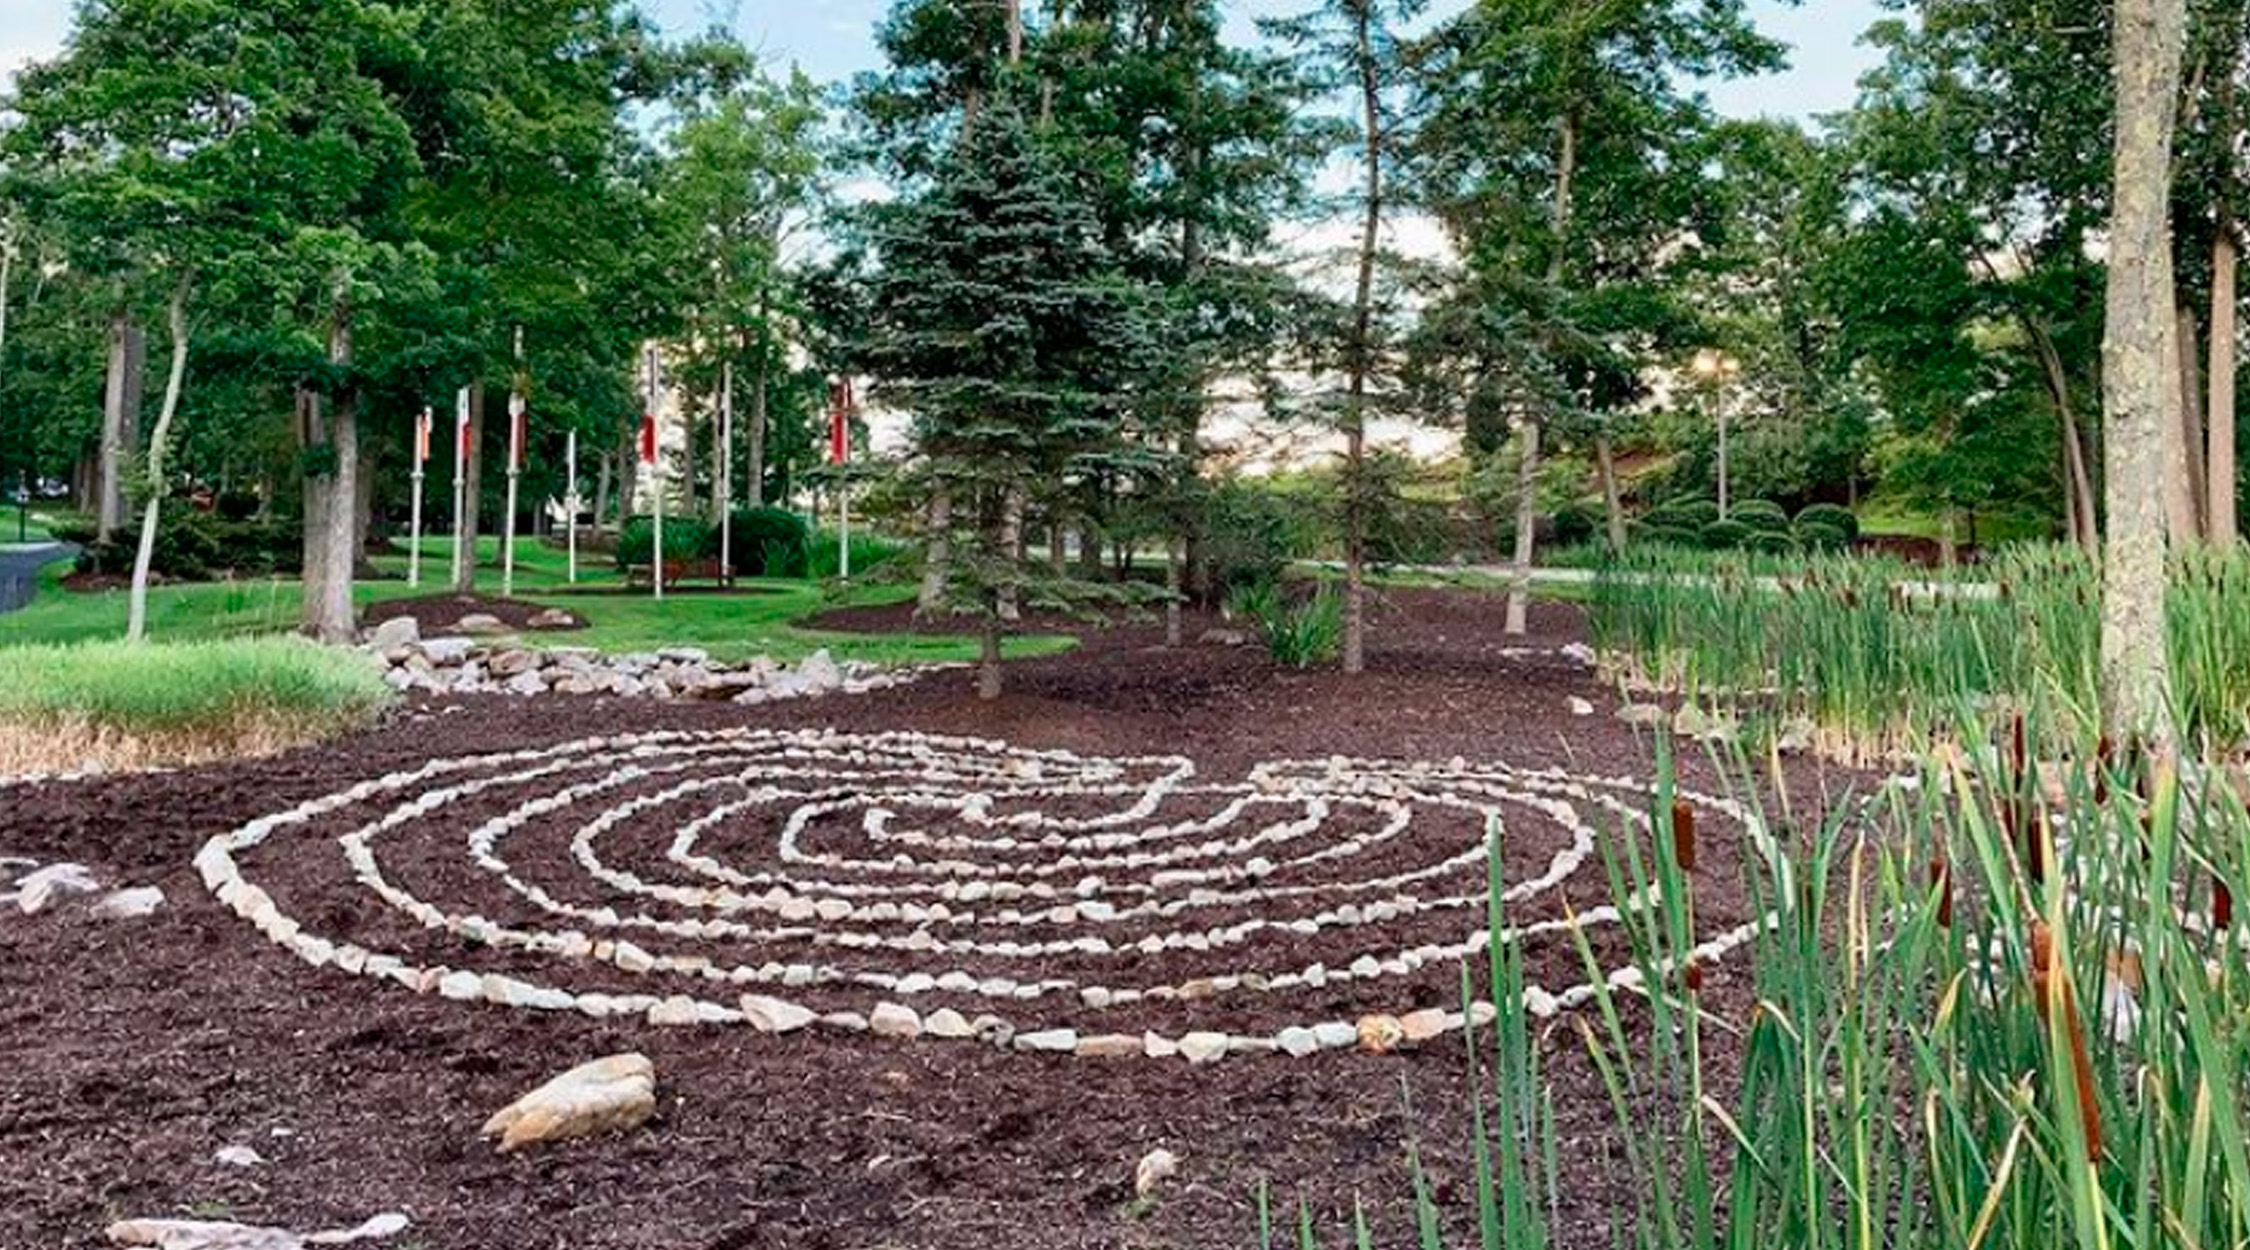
<point x="19" y="570"/>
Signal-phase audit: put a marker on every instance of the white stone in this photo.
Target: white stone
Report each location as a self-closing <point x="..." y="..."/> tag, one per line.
<point x="399" y="631"/>
<point x="774" y="1015"/>
<point x="893" y="1020"/>
<point x="607" y="1095"/>
<point x="1298" y="1041"/>
<point x="42" y="887"/>
<point x="947" y="1023"/>
<point x="1055" y="1040"/>
<point x="133" y="904"/>
<point x="1203" y="1048"/>
<point x="1155" y="1168"/>
<point x="225" y="1235"/>
<point x="237" y="1157"/>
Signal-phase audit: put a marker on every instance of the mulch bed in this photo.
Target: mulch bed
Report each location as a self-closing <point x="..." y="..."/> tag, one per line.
<point x="441" y="613"/>
<point x="130" y="1051"/>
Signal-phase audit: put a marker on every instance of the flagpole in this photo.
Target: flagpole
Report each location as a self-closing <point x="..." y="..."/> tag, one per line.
<point x="570" y="504"/>
<point x="726" y="467"/>
<point x="515" y="471"/>
<point x="421" y="455"/>
<point x="460" y="474"/>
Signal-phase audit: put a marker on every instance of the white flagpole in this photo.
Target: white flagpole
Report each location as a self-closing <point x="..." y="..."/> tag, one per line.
<point x="515" y="471"/>
<point x="844" y="483"/>
<point x="570" y="503"/>
<point x="422" y="430"/>
<point x="655" y="389"/>
<point x="726" y="468"/>
<point x="460" y="477"/>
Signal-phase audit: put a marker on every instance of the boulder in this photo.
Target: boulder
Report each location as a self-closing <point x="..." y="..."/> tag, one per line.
<point x="482" y="625"/>
<point x="552" y="619"/>
<point x="774" y="1015"/>
<point x="819" y="673"/>
<point x="513" y="663"/>
<point x="1155" y="1168"/>
<point x="604" y="1096"/>
<point x="448" y="650"/>
<point x="399" y="631"/>
<point x="130" y="904"/>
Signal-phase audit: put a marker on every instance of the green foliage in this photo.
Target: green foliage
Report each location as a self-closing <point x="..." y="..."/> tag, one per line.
<point x="1250" y="534"/>
<point x="870" y="552"/>
<point x="1834" y="516"/>
<point x="1763" y="515"/>
<point x="194" y="546"/>
<point x="1818" y="535"/>
<point x="209" y="687"/>
<point x="1299" y="631"/>
<point x="685" y="539"/>
<point x="1726" y="535"/>
<point x="1685" y="514"/>
<point x="768" y="542"/>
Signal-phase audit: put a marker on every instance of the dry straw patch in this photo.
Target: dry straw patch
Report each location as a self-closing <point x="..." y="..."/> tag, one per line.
<point x="108" y="706"/>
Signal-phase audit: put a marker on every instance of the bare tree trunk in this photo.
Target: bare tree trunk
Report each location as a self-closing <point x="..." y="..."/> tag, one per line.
<point x="1527" y="473"/>
<point x="937" y="549"/>
<point x="121" y="419"/>
<point x="1612" y="506"/>
<point x="1174" y="628"/>
<point x="2224" y="530"/>
<point x="1011" y="541"/>
<point x="2140" y="375"/>
<point x="761" y="384"/>
<point x="1058" y="554"/>
<point x="1362" y="354"/>
<point x="2184" y="493"/>
<point x="328" y="588"/>
<point x="472" y="472"/>
<point x="1015" y="32"/>
<point x="136" y="620"/>
<point x="988" y="658"/>
<point x="606" y="466"/>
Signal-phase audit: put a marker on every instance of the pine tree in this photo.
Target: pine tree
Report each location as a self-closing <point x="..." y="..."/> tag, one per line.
<point x="1005" y="328"/>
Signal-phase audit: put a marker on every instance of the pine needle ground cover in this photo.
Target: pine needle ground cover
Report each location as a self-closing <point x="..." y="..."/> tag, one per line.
<point x="110" y="705"/>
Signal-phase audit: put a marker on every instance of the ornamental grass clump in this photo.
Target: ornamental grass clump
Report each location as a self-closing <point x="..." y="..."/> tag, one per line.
<point x="113" y="705"/>
<point x="1938" y="1047"/>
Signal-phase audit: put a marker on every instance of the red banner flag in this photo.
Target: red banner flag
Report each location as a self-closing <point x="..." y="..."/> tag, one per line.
<point x="422" y="438"/>
<point x="648" y="438"/>
<point x="840" y="423"/>
<point x="461" y="432"/>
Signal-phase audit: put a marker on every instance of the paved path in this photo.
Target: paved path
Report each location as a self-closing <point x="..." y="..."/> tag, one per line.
<point x="19" y="570"/>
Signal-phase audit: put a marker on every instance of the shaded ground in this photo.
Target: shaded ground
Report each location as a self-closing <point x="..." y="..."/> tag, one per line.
<point x="130" y="1052"/>
<point x="441" y="613"/>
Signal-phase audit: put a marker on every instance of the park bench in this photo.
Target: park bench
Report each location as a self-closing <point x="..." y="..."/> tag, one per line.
<point x="680" y="572"/>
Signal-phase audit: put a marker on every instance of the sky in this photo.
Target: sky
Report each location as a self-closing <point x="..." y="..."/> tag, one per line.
<point x="834" y="39"/>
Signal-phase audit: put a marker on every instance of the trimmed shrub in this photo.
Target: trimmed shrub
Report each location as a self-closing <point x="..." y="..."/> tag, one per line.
<point x="1817" y="535"/>
<point x="1666" y="535"/>
<point x="1686" y="514"/>
<point x="1761" y="514"/>
<point x="685" y="538"/>
<point x="768" y="542"/>
<point x="1772" y="542"/>
<point x="195" y="546"/>
<point x="1836" y="516"/>
<point x="1249" y="537"/>
<point x="1726" y="535"/>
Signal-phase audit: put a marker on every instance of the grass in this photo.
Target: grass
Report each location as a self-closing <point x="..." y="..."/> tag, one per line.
<point x="762" y="618"/>
<point x="113" y="705"/>
<point x="2002" y="1006"/>
<point x="34" y="527"/>
<point x="1881" y="666"/>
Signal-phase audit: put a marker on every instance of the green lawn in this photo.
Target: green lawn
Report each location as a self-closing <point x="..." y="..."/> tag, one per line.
<point x="33" y="527"/>
<point x="758" y="619"/>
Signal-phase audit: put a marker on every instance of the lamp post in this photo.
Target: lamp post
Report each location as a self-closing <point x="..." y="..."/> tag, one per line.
<point x="1716" y="369"/>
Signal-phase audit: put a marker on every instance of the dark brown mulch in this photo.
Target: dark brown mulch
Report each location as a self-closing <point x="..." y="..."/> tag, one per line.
<point x="442" y="612"/>
<point x="130" y="1052"/>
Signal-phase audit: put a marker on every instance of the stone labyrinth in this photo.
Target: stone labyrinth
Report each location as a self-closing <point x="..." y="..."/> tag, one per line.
<point x="914" y="886"/>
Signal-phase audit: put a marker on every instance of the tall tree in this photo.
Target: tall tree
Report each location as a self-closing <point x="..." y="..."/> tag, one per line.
<point x="994" y="303"/>
<point x="2140" y="371"/>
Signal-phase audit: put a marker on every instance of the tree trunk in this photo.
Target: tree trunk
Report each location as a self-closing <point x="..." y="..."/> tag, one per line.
<point x="136" y="619"/>
<point x="988" y="658"/>
<point x="1058" y="554"/>
<point x="1011" y="542"/>
<point x="1613" y="507"/>
<point x="937" y="550"/>
<point x="628" y="477"/>
<point x="335" y="525"/>
<point x="2184" y="494"/>
<point x="1362" y="353"/>
<point x="2140" y="374"/>
<point x="1527" y="521"/>
<point x="1174" y="628"/>
<point x="121" y="419"/>
<point x="2223" y="529"/>
<point x="606" y="466"/>
<point x="472" y="473"/>
<point x="1527" y="473"/>
<point x="760" y="385"/>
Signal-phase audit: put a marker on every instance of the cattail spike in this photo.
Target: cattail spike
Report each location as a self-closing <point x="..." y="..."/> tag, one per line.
<point x="1941" y="883"/>
<point x="1683" y="835"/>
<point x="2222" y="905"/>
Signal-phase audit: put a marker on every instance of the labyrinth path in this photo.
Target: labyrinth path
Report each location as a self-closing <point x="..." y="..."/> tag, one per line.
<point x="942" y="888"/>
